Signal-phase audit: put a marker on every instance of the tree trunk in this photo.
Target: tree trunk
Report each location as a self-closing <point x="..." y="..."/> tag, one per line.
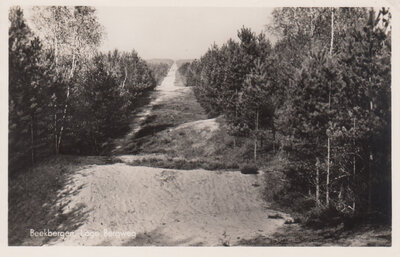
<point x="370" y="161"/>
<point x="354" y="164"/>
<point x="255" y="148"/>
<point x="328" y="163"/>
<point x="329" y="102"/>
<point x="236" y="114"/>
<point x="255" y="138"/>
<point x="331" y="47"/>
<point x="126" y="75"/>
<point x="371" y="158"/>
<point x="66" y="102"/>
<point x="55" y="130"/>
<point x="317" y="201"/>
<point x="273" y="137"/>
<point x="328" y="172"/>
<point x="56" y="149"/>
<point x="63" y="119"/>
<point x="56" y="52"/>
<point x="32" y="139"/>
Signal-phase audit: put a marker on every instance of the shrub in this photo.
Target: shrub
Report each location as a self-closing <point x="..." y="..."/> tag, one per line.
<point x="249" y="169"/>
<point x="320" y="217"/>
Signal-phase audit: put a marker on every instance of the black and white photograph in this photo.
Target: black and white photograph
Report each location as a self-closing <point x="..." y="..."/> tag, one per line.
<point x="199" y="125"/>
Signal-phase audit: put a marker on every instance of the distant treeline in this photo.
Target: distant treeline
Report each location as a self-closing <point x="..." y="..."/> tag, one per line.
<point x="321" y="96"/>
<point x="65" y="96"/>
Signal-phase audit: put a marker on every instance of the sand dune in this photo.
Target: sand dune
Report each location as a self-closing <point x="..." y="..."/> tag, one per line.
<point x="168" y="207"/>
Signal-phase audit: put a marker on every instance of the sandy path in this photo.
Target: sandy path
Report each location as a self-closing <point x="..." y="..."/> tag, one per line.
<point x="165" y="91"/>
<point x="165" y="207"/>
<point x="168" y="207"/>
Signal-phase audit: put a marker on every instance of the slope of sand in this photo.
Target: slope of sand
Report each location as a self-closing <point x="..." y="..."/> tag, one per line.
<point x="167" y="207"/>
<point x="161" y="206"/>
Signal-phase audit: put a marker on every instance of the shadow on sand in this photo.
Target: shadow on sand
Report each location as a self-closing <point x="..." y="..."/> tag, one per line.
<point x="38" y="200"/>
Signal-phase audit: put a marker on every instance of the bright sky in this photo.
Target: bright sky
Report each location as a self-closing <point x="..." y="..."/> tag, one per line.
<point x="176" y="32"/>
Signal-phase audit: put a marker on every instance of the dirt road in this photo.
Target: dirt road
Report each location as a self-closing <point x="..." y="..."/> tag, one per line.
<point x="133" y="205"/>
<point x="166" y="91"/>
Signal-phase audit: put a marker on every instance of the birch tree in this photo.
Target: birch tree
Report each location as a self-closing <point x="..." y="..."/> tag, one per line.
<point x="73" y="34"/>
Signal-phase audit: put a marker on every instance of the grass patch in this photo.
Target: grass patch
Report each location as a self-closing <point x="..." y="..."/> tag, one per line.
<point x="182" y="164"/>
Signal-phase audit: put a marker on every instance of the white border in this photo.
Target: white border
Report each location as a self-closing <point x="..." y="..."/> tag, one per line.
<point x="198" y="251"/>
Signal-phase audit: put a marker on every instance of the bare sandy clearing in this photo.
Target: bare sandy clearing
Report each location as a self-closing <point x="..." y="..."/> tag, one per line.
<point x="167" y="207"/>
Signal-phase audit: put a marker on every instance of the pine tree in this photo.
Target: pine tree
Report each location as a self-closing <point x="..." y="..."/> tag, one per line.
<point x="366" y="59"/>
<point x="26" y="93"/>
<point x="257" y="107"/>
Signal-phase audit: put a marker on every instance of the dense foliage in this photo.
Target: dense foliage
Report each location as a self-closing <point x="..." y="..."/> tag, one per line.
<point x="65" y="96"/>
<point x="320" y="94"/>
<point x="183" y="69"/>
